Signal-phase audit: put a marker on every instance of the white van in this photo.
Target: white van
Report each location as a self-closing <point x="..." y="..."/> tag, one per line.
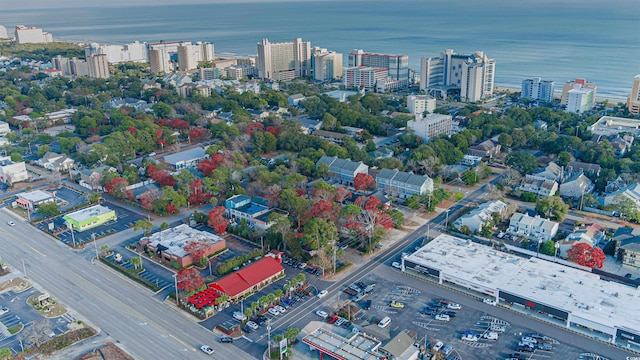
<point x="384" y="322"/>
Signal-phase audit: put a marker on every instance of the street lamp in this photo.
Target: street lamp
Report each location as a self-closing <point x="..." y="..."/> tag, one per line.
<point x="557" y="246"/>
<point x="446" y="223"/>
<point x="539" y="242"/>
<point x="175" y="278"/>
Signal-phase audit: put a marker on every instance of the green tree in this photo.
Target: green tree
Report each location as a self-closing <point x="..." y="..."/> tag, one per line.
<point x="48" y="209"/>
<point x="136" y="262"/>
<point x="43" y="149"/>
<point x="144" y="225"/>
<point x="94" y="197"/>
<point x="505" y="140"/>
<point x="563" y="158"/>
<point x="552" y="207"/>
<point x="162" y="110"/>
<point x="281" y="225"/>
<point x="522" y="161"/>
<point x="548" y="248"/>
<point x="627" y="208"/>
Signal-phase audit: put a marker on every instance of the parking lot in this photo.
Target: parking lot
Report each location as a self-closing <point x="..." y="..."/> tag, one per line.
<point x="21" y="313"/>
<point x="126" y="219"/>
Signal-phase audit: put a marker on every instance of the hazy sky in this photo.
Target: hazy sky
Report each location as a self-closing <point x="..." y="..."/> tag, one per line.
<point x="44" y="4"/>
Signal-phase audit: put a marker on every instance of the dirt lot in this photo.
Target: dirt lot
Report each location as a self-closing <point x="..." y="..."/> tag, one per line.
<point x="107" y="352"/>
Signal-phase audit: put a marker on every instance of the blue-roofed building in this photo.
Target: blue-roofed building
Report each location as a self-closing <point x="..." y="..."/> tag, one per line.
<point x="241" y="207"/>
<point x="185" y="159"/>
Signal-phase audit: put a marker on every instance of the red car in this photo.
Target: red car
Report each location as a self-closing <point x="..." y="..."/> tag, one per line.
<point x="333" y="319"/>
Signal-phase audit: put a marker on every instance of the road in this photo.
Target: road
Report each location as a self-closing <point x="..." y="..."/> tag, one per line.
<point x="121" y="309"/>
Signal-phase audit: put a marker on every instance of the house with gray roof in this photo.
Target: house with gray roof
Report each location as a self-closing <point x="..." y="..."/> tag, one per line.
<point x="400" y="347"/>
<point x="576" y="186"/>
<point x="343" y="170"/>
<point x="479" y="216"/>
<point x="552" y="171"/>
<point x="185" y="159"/>
<point x="55" y="162"/>
<point x="403" y="184"/>
<point x="591" y="170"/>
<point x="334" y="137"/>
<point x="628" y="246"/>
<point x="533" y="228"/>
<point x="539" y="185"/>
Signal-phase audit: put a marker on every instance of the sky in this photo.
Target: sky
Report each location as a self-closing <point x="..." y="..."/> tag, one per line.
<point x="45" y="4"/>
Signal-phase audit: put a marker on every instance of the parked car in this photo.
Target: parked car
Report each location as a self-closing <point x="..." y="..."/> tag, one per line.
<point x="322" y="294"/>
<point x="333" y="319"/>
<point x="490" y="335"/>
<point x="447" y="349"/>
<point x="498" y="328"/>
<point x="469" y="337"/>
<point x="247" y="329"/>
<point x="350" y="291"/>
<point x="274" y="312"/>
<point x="239" y="316"/>
<point x="322" y="314"/>
<point x="524" y="347"/>
<point x="280" y="309"/>
<point x="454" y="306"/>
<point x="252" y="325"/>
<point x="544" y="346"/>
<point x="340" y="321"/>
<point x="450" y="313"/>
<point x="396" y="265"/>
<point x="3" y="310"/>
<point x="442" y="317"/>
<point x="529" y="340"/>
<point x="437" y="346"/>
<point x="428" y="311"/>
<point x="397" y="304"/>
<point x="489" y="302"/>
<point x="517" y="356"/>
<point x="346" y="324"/>
<point x="226" y="339"/>
<point x="367" y="305"/>
<point x="206" y="349"/>
<point x="343" y="246"/>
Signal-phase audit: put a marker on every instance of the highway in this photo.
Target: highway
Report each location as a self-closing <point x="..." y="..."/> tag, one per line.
<point x="121" y="309"/>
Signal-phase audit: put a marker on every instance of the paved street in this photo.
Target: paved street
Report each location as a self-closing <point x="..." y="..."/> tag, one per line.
<point x="121" y="309"/>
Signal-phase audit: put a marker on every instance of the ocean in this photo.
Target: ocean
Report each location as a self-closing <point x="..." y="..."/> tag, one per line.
<point x="557" y="40"/>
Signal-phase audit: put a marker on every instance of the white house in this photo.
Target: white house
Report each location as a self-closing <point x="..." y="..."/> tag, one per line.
<point x="591" y="235"/>
<point x="576" y="186"/>
<point x="295" y="99"/>
<point x="631" y="192"/>
<point x="55" y="162"/>
<point x="12" y="172"/>
<point x="479" y="216"/>
<point x="403" y="184"/>
<point x="539" y="185"/>
<point x="533" y="228"/>
<point x="552" y="171"/>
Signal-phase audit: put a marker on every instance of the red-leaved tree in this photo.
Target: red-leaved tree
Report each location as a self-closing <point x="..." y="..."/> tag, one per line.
<point x="217" y="221"/>
<point x="363" y="181"/>
<point x="341" y="194"/>
<point x="117" y="187"/>
<point x="254" y="128"/>
<point x="198" y="251"/>
<point x="163" y="178"/>
<point x="189" y="280"/>
<point x="585" y="255"/>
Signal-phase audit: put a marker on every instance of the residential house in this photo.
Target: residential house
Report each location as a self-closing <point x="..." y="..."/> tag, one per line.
<point x="4" y="128"/>
<point x="257" y="215"/>
<point x="403" y="184"/>
<point x="539" y="185"/>
<point x="591" y="234"/>
<point x="146" y="189"/>
<point x="621" y="144"/>
<point x="479" y="216"/>
<point x="295" y="99"/>
<point x="532" y="228"/>
<point x="31" y="200"/>
<point x="334" y="137"/>
<point x="178" y="244"/>
<point x="628" y="246"/>
<point x="185" y="159"/>
<point x="471" y="160"/>
<point x="381" y="153"/>
<point x="55" y="162"/>
<point x="552" y="171"/>
<point x="631" y="192"/>
<point x="591" y="170"/>
<point x="343" y="170"/>
<point x="576" y="186"/>
<point x="486" y="149"/>
<point x="309" y="125"/>
<point x="92" y="178"/>
<point x="137" y="104"/>
<point x="12" y="172"/>
<point x="615" y="185"/>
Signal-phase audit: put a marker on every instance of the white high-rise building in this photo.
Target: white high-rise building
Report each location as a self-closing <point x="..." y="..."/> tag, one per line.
<point x="326" y="65"/>
<point x="206" y="51"/>
<point x="98" y="66"/>
<point x="363" y="77"/>
<point x="397" y="65"/>
<point x="3" y="32"/>
<point x="160" y="61"/>
<point x="477" y="77"/>
<point x="418" y="104"/>
<point x="431" y="126"/>
<point x="570" y="85"/>
<point x="537" y="89"/>
<point x="188" y="56"/>
<point x="284" y="61"/>
<point x="633" y="101"/>
<point x="472" y="74"/>
<point x="580" y="99"/>
<point x="135" y="52"/>
<point x="32" y="35"/>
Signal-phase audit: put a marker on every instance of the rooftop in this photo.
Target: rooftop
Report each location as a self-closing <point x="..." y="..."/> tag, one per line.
<point x="177" y="238"/>
<point x="187" y="155"/>
<point x="88" y="213"/>
<point x="610" y="125"/>
<point x="358" y="347"/>
<point x="35" y="196"/>
<point x="248" y="277"/>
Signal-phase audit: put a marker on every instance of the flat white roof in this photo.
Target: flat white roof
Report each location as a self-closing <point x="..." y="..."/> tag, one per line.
<point x="581" y="293"/>
<point x="468" y="261"/>
<point x="35" y="196"/>
<point x="175" y="239"/>
<point x="610" y="125"/>
<point x="358" y="347"/>
<point x="88" y="213"/>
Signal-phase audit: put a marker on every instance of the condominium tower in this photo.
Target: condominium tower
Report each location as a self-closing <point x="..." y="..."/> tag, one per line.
<point x="633" y="101"/>
<point x="397" y="65"/>
<point x="580" y="99"/>
<point x="418" y="104"/>
<point x="325" y="65"/>
<point x="98" y="66"/>
<point x="431" y="126"/>
<point x="570" y="85"/>
<point x="284" y="61"/>
<point x="537" y="89"/>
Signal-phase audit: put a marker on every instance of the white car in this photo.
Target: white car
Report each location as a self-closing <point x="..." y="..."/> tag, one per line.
<point x="3" y="310"/>
<point x="252" y="325"/>
<point x="322" y="314"/>
<point x="454" y="306"/>
<point x="442" y="317"/>
<point x="469" y="337"/>
<point x="11" y="223"/>
<point x="438" y="345"/>
<point x="498" y="328"/>
<point x="490" y="335"/>
<point x="239" y="316"/>
<point x="274" y="312"/>
<point x="396" y="265"/>
<point x="280" y="309"/>
<point x="489" y="302"/>
<point x="322" y="294"/>
<point x="206" y="349"/>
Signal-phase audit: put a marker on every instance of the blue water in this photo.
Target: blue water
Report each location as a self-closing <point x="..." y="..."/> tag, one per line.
<point x="557" y="40"/>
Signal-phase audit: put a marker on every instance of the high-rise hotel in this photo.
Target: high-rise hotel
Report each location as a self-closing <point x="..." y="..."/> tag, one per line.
<point x="284" y="61"/>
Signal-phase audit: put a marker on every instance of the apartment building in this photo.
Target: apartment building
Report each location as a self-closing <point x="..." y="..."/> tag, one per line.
<point x="431" y="126"/>
<point x="570" y="85"/>
<point x="533" y="228"/>
<point x="397" y="65"/>
<point x="343" y="170"/>
<point x="160" y="61"/>
<point x="418" y="104"/>
<point x="284" y="61"/>
<point x="580" y="99"/>
<point x="477" y="78"/>
<point x="188" y="55"/>
<point x="326" y="65"/>
<point x="98" y="66"/>
<point x="363" y="77"/>
<point x="536" y="89"/>
<point x="633" y="101"/>
<point x="134" y="52"/>
<point x="403" y="184"/>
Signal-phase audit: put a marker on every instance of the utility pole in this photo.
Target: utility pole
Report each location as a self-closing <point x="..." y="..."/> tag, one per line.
<point x="73" y="237"/>
<point x="24" y="268"/>
<point x="93" y="237"/>
<point x="175" y="277"/>
<point x="335" y="250"/>
<point x="269" y="337"/>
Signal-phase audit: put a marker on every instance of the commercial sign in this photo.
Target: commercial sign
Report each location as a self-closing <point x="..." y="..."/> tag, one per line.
<point x="627" y="335"/>
<point x="283" y="346"/>
<point x="421" y="269"/>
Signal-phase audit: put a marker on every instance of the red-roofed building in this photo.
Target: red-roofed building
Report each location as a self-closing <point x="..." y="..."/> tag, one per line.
<point x="250" y="279"/>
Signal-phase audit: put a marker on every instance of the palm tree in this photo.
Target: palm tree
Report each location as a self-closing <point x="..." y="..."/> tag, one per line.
<point x="254" y="306"/>
<point x="271" y="298"/>
<point x="136" y="261"/>
<point x="301" y="277"/>
<point x="104" y="249"/>
<point x="278" y="294"/>
<point x="262" y="301"/>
